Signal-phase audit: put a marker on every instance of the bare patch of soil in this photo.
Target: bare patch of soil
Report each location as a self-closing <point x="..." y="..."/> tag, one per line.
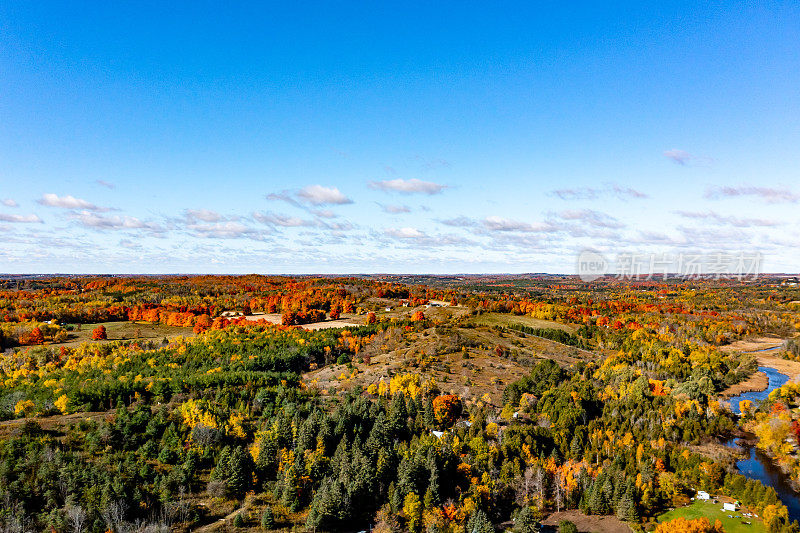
<point x="589" y="523"/>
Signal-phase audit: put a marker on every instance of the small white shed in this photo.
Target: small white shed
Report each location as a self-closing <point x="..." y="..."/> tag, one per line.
<point x="729" y="507"/>
<point x="702" y="495"/>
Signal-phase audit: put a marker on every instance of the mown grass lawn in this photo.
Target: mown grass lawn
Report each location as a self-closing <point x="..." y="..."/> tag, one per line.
<point x="713" y="511"/>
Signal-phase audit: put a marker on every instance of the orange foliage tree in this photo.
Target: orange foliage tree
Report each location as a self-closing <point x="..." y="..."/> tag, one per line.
<point x="99" y="333"/>
<point x="371" y="318"/>
<point x="418" y="316"/>
<point x="202" y="323"/>
<point x="446" y="409"/>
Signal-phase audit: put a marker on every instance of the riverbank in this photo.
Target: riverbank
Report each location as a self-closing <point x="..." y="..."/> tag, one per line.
<point x="754" y="462"/>
<point x="757" y="344"/>
<point x="766" y="350"/>
<point x="755" y="383"/>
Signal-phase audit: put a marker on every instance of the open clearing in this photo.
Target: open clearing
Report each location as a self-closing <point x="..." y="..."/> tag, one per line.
<point x="343" y="322"/>
<point x="588" y="523"/>
<point x="506" y="320"/>
<point x="52" y="423"/>
<point x="713" y="511"/>
<point x="436" y="353"/>
<point x="127" y="331"/>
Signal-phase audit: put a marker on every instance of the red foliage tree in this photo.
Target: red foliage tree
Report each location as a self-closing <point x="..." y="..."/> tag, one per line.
<point x="99" y="333"/>
<point x="36" y="336"/>
<point x="371" y="318"/>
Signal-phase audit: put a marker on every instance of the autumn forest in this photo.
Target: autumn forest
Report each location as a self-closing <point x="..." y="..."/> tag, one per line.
<point x="413" y="404"/>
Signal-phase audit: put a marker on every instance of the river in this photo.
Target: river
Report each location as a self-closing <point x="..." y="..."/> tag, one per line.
<point x="759" y="465"/>
<point x="776" y="379"/>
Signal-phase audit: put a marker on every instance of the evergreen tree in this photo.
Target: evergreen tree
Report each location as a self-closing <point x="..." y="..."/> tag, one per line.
<point x="239" y="472"/>
<point x="598" y="502"/>
<point x="267" y="520"/>
<point x="479" y="523"/>
<point x="526" y="521"/>
<point x="428" y="416"/>
<point x="398" y="415"/>
<point x="222" y="468"/>
<point x="626" y="509"/>
<point x="576" y="447"/>
<point x="565" y="526"/>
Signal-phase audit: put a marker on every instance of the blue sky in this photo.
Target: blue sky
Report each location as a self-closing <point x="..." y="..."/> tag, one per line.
<point x="358" y="137"/>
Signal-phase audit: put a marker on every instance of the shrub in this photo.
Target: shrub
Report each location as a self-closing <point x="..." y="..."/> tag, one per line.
<point x="565" y="526"/>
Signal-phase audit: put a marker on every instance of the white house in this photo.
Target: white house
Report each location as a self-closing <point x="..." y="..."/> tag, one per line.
<point x="729" y="507"/>
<point x="702" y="495"/>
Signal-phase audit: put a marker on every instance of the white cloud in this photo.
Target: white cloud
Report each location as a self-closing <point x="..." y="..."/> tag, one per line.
<point x="681" y="157"/>
<point x="405" y="233"/>
<point x="204" y="215"/>
<point x="395" y="209"/>
<point x="8" y="202"/>
<point x="319" y="195"/>
<point x="459" y="222"/>
<point x="626" y="192"/>
<point x="285" y="221"/>
<point x="589" y="216"/>
<point x="496" y="223"/>
<point x="104" y="183"/>
<point x="577" y="193"/>
<point x="591" y="193"/>
<point x="684" y="158"/>
<point x="411" y="186"/>
<point x="21" y="219"/>
<point x="68" y="202"/>
<point x="224" y="230"/>
<point x="103" y="222"/>
<point x="771" y="195"/>
<point x="337" y="227"/>
<point x="126" y="243"/>
<point x="728" y="220"/>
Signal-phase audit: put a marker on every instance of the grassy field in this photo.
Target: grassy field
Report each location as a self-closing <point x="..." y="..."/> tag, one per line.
<point x="502" y="319"/>
<point x="127" y="331"/>
<point x="713" y="511"/>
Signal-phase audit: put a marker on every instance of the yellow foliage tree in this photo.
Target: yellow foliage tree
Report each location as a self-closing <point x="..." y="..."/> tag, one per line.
<point x="697" y="525"/>
<point x="774" y="516"/>
<point x="61" y="403"/>
<point x="24" y="408"/>
<point x="412" y="509"/>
